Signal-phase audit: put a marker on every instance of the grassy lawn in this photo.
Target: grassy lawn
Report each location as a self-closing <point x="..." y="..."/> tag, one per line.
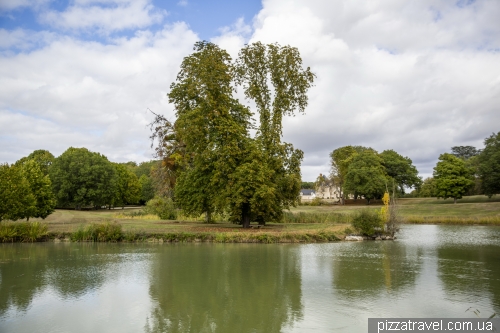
<point x="302" y="223"/>
<point x="67" y="221"/>
<point x="474" y="209"/>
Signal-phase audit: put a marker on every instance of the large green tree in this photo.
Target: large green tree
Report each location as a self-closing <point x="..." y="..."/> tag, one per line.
<point x="465" y="152"/>
<point x="16" y="198"/>
<point x="82" y="178"/>
<point x="41" y="188"/>
<point x="127" y="186"/>
<point x="44" y="158"/>
<point x="274" y="79"/>
<point x="147" y="189"/>
<point x="452" y="177"/>
<point x="489" y="165"/>
<point x="428" y="188"/>
<point x="212" y="125"/>
<point x="340" y="160"/>
<point x="401" y="170"/>
<point x="366" y="176"/>
<point x="219" y="166"/>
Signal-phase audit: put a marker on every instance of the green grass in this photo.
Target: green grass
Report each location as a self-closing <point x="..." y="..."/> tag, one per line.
<point x="22" y="231"/>
<point x="469" y="210"/>
<point x="302" y="223"/>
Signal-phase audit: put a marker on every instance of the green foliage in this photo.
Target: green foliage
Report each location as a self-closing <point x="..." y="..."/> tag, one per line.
<point x="163" y="207"/>
<point x="22" y="231"/>
<point x="428" y="188"/>
<point x="147" y="189"/>
<point x="306" y="185"/>
<point x="94" y="232"/>
<point x="465" y="152"/>
<point x="452" y="177"/>
<point x="43" y="158"/>
<point x="367" y="222"/>
<point x="82" y="178"/>
<point x="310" y="217"/>
<point x="401" y="170"/>
<point x="219" y="166"/>
<point x="41" y="188"/>
<point x="127" y="187"/>
<point x="366" y="175"/>
<point x="17" y="200"/>
<point x="341" y="158"/>
<point x="489" y="165"/>
<point x="316" y="202"/>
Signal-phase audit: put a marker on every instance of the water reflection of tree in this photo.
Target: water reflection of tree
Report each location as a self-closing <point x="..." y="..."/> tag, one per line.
<point x="367" y="269"/>
<point x="72" y="270"/>
<point x="224" y="288"/>
<point x="470" y="273"/>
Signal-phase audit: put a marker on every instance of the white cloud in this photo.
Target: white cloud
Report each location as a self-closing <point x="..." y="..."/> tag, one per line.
<point x="418" y="77"/>
<point x="21" y="39"/>
<point x="104" y="15"/>
<point x="75" y="93"/>
<point x="391" y="75"/>
<point x="182" y="3"/>
<point x="234" y="37"/>
<point x="7" y="5"/>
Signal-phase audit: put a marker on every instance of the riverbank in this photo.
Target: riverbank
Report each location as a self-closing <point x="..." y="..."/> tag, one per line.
<point x="301" y="224"/>
<point x="217" y="233"/>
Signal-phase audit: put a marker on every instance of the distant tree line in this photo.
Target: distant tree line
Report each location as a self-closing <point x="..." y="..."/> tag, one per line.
<point x="363" y="172"/>
<point x="465" y="171"/>
<point x="38" y="183"/>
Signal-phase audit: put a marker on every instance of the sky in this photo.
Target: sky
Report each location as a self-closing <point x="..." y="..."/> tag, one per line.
<point x="417" y="77"/>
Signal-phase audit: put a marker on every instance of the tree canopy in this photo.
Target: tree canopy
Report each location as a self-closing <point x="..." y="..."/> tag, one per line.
<point x="127" y="187"/>
<point x="465" y="152"/>
<point x="216" y="164"/>
<point x="452" y="178"/>
<point x="16" y="198"/>
<point x="489" y="165"/>
<point x="366" y="175"/>
<point x="82" y="178"/>
<point x="401" y="170"/>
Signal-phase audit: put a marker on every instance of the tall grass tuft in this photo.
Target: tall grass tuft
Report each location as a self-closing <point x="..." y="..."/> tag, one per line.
<point x="22" y="231"/>
<point x="94" y="232"/>
<point x="303" y="217"/>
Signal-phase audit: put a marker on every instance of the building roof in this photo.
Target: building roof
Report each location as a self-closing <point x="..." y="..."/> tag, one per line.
<point x="307" y="192"/>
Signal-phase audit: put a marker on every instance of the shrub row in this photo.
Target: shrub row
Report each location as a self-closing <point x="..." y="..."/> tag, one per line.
<point x="22" y="231"/>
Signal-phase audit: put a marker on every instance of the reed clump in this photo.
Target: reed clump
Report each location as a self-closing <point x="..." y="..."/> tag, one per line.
<point x="98" y="232"/>
<point x="315" y="217"/>
<point x="22" y="231"/>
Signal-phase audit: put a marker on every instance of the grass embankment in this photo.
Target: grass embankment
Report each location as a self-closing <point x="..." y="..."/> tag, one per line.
<point x="469" y="210"/>
<point x="118" y="225"/>
<point x="301" y="224"/>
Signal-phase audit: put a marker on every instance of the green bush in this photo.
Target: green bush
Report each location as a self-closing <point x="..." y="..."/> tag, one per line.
<point x="107" y="232"/>
<point x="316" y="202"/>
<point x="22" y="231"/>
<point x="163" y="207"/>
<point x="367" y="222"/>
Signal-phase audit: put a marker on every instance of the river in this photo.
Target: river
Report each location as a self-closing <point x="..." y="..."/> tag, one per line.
<point x="429" y="271"/>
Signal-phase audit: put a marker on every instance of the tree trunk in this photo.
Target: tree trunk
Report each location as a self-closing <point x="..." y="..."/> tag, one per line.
<point x="454" y="200"/>
<point x="245" y="215"/>
<point x="368" y="201"/>
<point x="208" y="217"/>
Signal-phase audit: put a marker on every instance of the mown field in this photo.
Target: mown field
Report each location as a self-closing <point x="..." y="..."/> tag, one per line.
<point x="469" y="210"/>
<point x="301" y="219"/>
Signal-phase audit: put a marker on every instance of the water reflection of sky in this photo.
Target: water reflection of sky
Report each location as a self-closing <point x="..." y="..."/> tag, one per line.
<point x="429" y="271"/>
<point x="422" y="274"/>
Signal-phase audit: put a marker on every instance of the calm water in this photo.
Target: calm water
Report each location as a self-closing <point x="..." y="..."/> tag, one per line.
<point x="430" y="271"/>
